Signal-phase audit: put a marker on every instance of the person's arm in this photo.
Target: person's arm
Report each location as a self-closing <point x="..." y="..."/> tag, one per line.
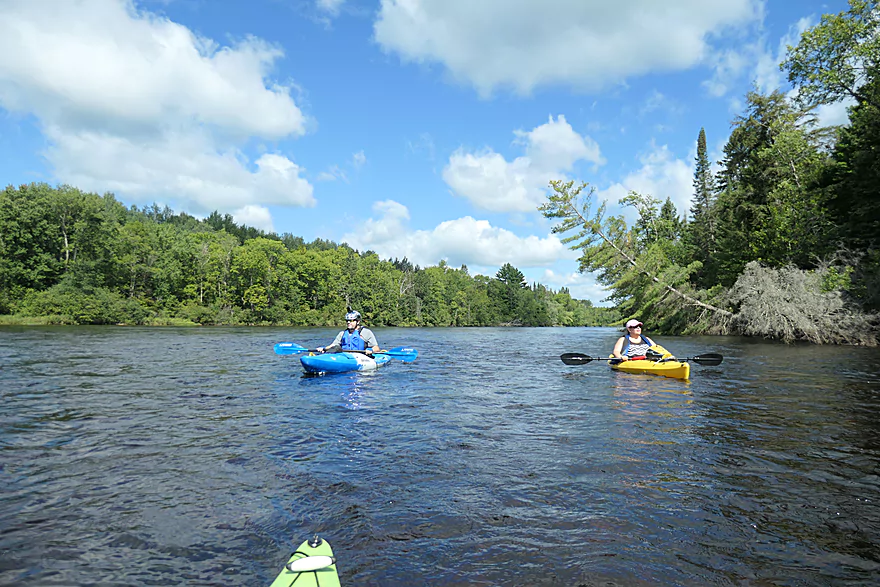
<point x="370" y="341"/>
<point x="618" y="346"/>
<point x="336" y="342"/>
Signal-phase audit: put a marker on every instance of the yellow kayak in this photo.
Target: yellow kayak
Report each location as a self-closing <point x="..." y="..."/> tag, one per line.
<point x="666" y="365"/>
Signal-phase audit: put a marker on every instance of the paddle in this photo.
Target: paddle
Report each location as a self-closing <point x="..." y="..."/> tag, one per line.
<point x="707" y="360"/>
<point x="291" y="348"/>
<point x="405" y="354"/>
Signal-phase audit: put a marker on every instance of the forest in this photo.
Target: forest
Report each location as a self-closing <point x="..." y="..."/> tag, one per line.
<point x="69" y="257"/>
<point x="781" y="240"/>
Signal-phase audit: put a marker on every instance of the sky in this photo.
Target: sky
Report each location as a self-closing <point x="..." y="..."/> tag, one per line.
<point x="425" y="129"/>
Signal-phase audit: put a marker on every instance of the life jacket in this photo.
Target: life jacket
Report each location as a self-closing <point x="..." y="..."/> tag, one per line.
<point x="627" y="342"/>
<point x="352" y="341"/>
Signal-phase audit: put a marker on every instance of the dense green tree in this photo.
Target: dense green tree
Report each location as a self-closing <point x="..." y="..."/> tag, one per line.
<point x="767" y="210"/>
<point x="31" y="246"/>
<point x="838" y="57"/>
<point x="509" y="297"/>
<point x="261" y="279"/>
<point x="853" y="181"/>
<point x="138" y="253"/>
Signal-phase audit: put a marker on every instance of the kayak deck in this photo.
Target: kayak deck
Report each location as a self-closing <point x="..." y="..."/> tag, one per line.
<point x="342" y="362"/>
<point x="322" y="577"/>
<point x="666" y="368"/>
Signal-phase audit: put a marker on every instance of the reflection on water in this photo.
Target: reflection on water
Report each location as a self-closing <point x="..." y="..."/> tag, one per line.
<point x="185" y="456"/>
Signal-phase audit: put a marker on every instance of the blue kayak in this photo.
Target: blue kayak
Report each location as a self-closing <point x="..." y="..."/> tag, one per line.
<point x="342" y="362"/>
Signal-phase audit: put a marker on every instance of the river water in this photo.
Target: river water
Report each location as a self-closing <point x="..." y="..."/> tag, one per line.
<point x="175" y="456"/>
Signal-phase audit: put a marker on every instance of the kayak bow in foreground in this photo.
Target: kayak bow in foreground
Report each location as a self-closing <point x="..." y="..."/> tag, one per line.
<point x="312" y="565"/>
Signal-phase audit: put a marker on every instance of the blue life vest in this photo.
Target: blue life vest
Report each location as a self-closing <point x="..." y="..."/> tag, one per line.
<point x="352" y="341"/>
<point x="627" y="341"/>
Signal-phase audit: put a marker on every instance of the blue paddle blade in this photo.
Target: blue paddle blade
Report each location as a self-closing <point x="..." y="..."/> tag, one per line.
<point x="405" y="354"/>
<point x="289" y="348"/>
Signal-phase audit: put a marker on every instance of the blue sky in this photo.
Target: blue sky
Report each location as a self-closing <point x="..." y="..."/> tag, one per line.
<point x="425" y="129"/>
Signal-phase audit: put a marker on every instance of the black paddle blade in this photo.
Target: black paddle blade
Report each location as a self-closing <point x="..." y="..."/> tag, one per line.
<point x="709" y="359"/>
<point x="575" y="358"/>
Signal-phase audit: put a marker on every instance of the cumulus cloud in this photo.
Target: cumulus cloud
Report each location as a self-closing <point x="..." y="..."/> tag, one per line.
<point x="132" y="102"/>
<point x="661" y="175"/>
<point x="256" y="216"/>
<point x="464" y="241"/>
<point x="490" y="182"/>
<point x="580" y="43"/>
<point x="181" y="166"/>
<point x="581" y="286"/>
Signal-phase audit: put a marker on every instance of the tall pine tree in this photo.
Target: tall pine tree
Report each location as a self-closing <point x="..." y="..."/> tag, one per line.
<point x="701" y="229"/>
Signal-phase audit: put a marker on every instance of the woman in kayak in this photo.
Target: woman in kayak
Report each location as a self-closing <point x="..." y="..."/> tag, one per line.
<point x="355" y="337"/>
<point x="633" y="343"/>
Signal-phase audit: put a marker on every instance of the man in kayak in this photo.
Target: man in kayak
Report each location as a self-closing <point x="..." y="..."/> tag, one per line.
<point x="355" y="337"/>
<point x="633" y="343"/>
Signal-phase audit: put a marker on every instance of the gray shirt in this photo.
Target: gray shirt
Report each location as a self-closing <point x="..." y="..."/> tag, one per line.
<point x="366" y="334"/>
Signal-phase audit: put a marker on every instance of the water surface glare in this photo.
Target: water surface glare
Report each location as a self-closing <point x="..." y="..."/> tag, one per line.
<point x="175" y="456"/>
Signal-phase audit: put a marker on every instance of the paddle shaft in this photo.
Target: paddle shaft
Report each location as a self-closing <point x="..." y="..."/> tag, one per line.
<point x="581" y="359"/>
<point x="405" y="354"/>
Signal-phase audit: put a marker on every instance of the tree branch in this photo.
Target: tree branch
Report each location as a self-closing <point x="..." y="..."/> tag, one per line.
<point x="597" y="229"/>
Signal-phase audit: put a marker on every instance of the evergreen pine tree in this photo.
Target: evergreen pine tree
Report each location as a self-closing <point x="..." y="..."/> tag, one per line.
<point x="701" y="229"/>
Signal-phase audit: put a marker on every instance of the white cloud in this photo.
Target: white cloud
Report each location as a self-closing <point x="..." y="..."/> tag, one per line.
<point x="492" y="183"/>
<point x="581" y="286"/>
<point x="132" y="102"/>
<point x="661" y="175"/>
<point x="358" y="160"/>
<point x="728" y="66"/>
<point x="256" y="216"/>
<point x="768" y="76"/>
<point x="580" y="43"/>
<point x="466" y="240"/>
<point x="834" y="114"/>
<point x="332" y="174"/>
<point x="656" y="101"/>
<point x="756" y="60"/>
<point x="390" y="226"/>
<point x="182" y="167"/>
<point x="100" y="63"/>
<point x="330" y="6"/>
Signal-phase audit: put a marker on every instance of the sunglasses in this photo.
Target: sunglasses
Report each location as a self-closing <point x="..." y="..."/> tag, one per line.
<point x="634" y="327"/>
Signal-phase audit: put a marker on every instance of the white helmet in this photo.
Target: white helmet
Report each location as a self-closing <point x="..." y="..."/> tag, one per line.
<point x="353" y="316"/>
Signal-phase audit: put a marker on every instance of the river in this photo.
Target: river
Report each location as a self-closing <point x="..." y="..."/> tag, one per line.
<point x="189" y="456"/>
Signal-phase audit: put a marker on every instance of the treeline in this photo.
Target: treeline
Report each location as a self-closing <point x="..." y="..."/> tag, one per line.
<point x="782" y="240"/>
<point x="80" y="258"/>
